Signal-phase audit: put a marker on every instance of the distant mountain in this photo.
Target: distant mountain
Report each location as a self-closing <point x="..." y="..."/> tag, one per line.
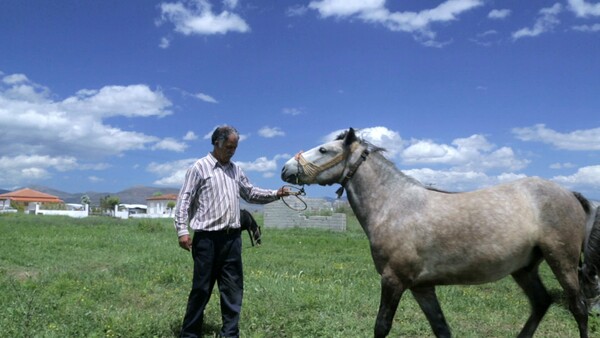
<point x="2" y="191"/>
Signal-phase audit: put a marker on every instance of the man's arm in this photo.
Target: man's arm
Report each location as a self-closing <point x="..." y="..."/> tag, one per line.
<point x="184" y="200"/>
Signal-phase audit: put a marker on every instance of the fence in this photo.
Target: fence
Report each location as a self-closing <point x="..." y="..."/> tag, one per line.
<point x="318" y="214"/>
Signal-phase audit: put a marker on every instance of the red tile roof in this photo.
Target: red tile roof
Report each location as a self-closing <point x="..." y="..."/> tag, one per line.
<point x="30" y="195"/>
<point x="165" y="197"/>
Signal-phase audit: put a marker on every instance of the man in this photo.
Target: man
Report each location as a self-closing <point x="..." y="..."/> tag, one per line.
<point x="209" y="201"/>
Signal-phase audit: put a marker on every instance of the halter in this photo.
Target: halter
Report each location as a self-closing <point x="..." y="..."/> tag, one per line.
<point x="352" y="171"/>
<point x="312" y="170"/>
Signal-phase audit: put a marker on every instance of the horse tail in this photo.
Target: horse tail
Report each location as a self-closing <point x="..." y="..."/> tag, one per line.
<point x="589" y="274"/>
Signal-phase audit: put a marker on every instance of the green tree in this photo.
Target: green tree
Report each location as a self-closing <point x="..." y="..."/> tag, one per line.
<point x="170" y="206"/>
<point x="109" y="202"/>
<point x="85" y="199"/>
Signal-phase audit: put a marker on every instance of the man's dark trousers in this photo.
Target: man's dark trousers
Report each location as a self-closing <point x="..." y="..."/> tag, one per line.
<point x="217" y="257"/>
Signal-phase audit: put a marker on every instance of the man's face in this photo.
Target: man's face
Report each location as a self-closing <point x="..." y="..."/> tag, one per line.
<point x="226" y="152"/>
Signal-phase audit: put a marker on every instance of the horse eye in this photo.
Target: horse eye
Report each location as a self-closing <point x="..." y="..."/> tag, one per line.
<point x="322" y="150"/>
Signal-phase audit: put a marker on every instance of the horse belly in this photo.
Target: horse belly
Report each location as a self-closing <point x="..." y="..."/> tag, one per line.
<point x="476" y="266"/>
<point x="468" y="275"/>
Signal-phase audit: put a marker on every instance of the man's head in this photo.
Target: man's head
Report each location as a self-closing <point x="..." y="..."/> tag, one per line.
<point x="225" y="140"/>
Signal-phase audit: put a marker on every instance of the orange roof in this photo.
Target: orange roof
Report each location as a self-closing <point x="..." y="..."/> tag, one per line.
<point x="30" y="195"/>
<point x="164" y="197"/>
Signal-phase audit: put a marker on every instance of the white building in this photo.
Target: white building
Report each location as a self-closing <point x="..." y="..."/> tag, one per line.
<point x="161" y="204"/>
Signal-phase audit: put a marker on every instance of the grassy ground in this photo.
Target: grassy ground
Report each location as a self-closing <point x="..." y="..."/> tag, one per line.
<point x="102" y="277"/>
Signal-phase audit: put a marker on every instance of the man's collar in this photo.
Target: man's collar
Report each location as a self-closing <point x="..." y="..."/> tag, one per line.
<point x="216" y="163"/>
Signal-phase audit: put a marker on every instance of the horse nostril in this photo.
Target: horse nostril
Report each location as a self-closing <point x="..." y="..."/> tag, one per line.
<point x="288" y="177"/>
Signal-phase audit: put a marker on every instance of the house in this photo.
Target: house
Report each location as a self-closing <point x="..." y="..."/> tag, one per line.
<point x="161" y="204"/>
<point x="28" y="198"/>
<point x="125" y="211"/>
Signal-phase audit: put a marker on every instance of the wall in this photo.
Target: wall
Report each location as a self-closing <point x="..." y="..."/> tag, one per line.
<point x="278" y="215"/>
<point x="70" y="213"/>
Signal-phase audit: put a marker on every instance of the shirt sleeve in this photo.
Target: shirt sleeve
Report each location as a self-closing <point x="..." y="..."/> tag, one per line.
<point x="252" y="194"/>
<point x="185" y="199"/>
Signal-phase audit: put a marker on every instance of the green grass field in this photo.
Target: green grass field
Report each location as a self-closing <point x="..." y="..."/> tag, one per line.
<point x="103" y="277"/>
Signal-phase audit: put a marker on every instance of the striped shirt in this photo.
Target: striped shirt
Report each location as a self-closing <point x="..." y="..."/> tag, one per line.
<point x="210" y="196"/>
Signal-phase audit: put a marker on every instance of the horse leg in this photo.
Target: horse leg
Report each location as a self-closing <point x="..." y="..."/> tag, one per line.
<point x="391" y="292"/>
<point x="529" y="280"/>
<point x="569" y="280"/>
<point x="429" y="304"/>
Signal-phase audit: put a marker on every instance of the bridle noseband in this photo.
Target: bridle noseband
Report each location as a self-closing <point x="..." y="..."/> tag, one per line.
<point x="312" y="170"/>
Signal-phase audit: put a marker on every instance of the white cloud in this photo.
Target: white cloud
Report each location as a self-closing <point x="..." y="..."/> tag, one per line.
<point x="172" y="173"/>
<point x="455" y="180"/>
<point x="197" y="17"/>
<point x="499" y="13"/>
<point x="268" y="167"/>
<point x="559" y="165"/>
<point x="72" y="131"/>
<point x="546" y="21"/>
<point x="292" y="111"/>
<point x="417" y="23"/>
<point x="95" y="179"/>
<point x="471" y="153"/>
<point x="33" y="167"/>
<point x="269" y="132"/>
<point x="130" y="101"/>
<point x="588" y="139"/>
<point x="583" y="9"/>
<point x="190" y="136"/>
<point x="297" y="10"/>
<point x="261" y="164"/>
<point x="588" y="177"/>
<point x="385" y="138"/>
<point x="170" y="144"/>
<point x="206" y="98"/>
<point x="14" y="79"/>
<point x="588" y="28"/>
<point x="231" y="4"/>
<point x="164" y="43"/>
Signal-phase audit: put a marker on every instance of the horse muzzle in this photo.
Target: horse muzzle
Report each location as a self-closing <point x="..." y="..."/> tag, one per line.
<point x="290" y="175"/>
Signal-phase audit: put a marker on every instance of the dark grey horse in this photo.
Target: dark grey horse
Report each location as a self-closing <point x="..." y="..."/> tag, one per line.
<point x="249" y="223"/>
<point x="420" y="237"/>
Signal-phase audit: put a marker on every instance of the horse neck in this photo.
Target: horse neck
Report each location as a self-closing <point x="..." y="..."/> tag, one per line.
<point x="376" y="181"/>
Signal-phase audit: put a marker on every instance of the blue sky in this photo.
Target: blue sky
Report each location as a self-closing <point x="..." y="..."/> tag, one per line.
<point x="464" y="94"/>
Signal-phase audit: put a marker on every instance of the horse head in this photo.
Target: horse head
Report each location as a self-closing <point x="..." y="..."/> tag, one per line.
<point x="327" y="164"/>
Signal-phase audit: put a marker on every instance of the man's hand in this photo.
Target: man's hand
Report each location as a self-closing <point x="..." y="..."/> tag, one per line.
<point x="185" y="242"/>
<point x="283" y="191"/>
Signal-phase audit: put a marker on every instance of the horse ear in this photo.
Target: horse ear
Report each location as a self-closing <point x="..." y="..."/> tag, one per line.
<point x="350" y="137"/>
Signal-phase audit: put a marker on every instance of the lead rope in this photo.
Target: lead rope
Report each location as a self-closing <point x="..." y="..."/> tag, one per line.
<point x="296" y="192"/>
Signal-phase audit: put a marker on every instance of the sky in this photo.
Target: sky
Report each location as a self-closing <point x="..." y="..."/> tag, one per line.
<point x="463" y="94"/>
